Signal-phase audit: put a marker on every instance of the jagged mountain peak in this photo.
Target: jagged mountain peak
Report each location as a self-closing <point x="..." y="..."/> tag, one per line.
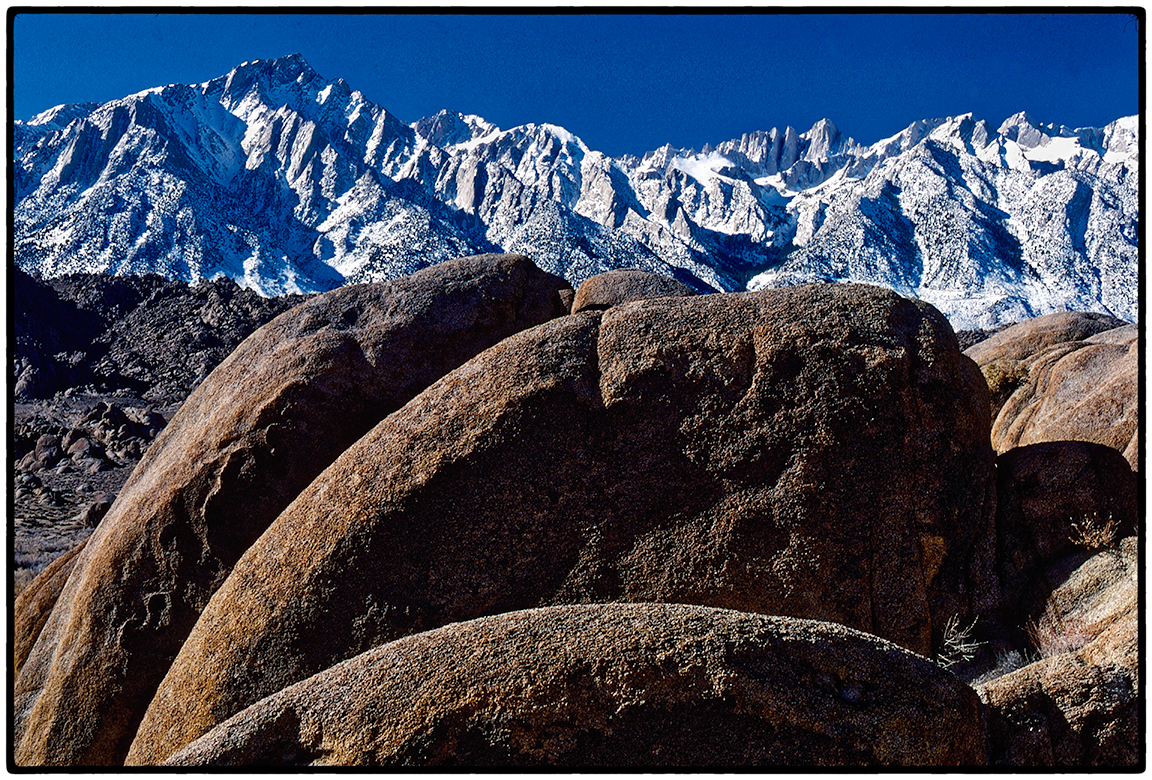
<point x="284" y="81"/>
<point x="61" y="116"/>
<point x="288" y="181"/>
<point x="1130" y="124"/>
<point x="963" y="130"/>
<point x="289" y="67"/>
<point x="470" y="134"/>
<point x="1122" y="138"/>
<point x="1019" y="119"/>
<point x="822" y="126"/>
<point x="290" y="86"/>
<point x="552" y="131"/>
<point x="907" y="138"/>
<point x="448" y="128"/>
<point x="54" y="120"/>
<point x="825" y="139"/>
<point x="1023" y="128"/>
<point x="667" y="151"/>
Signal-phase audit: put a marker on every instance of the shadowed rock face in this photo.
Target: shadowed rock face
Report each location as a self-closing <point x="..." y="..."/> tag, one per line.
<point x="615" y="287"/>
<point x="614" y="685"/>
<point x="1044" y="493"/>
<point x="817" y="451"/>
<point x="1079" y="705"/>
<point x="1064" y="378"/>
<point x="274" y="414"/>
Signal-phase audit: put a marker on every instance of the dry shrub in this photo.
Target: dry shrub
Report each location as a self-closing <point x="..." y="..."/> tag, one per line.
<point x="1053" y="635"/>
<point x="1092" y="533"/>
<point x="1004" y="377"/>
<point x="956" y="646"/>
<point x="1006" y="663"/>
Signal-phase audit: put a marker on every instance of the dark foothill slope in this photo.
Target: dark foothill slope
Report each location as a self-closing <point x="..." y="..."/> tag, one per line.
<point x="269" y="418"/>
<point x="818" y="451"/>
<point x="50" y="336"/>
<point x="151" y="336"/>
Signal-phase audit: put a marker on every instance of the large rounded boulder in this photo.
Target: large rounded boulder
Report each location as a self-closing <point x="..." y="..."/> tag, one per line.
<point x="615" y="685"/>
<point x="1024" y="339"/>
<point x="272" y="416"/>
<point x="1064" y="378"/>
<point x="1054" y="501"/>
<point x="612" y="288"/>
<point x="818" y="451"/>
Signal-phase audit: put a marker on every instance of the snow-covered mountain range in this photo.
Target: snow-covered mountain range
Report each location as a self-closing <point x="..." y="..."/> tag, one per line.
<point x="288" y="182"/>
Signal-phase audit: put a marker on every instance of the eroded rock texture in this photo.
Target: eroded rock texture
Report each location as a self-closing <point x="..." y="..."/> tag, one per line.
<point x="614" y="685"/>
<point x="1065" y="376"/>
<point x="275" y="413"/>
<point x="819" y="452"/>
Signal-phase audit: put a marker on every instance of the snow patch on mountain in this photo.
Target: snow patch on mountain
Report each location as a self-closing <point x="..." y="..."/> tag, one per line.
<point x="290" y="182"/>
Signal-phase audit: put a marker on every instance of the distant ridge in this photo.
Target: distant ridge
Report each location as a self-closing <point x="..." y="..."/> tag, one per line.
<point x="286" y="181"/>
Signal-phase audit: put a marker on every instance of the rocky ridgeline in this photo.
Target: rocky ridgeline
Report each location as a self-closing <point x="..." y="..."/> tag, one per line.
<point x="475" y="517"/>
<point x="144" y="335"/>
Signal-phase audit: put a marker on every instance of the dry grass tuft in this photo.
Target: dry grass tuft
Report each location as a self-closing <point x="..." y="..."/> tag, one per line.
<point x="1092" y="533"/>
<point x="957" y="646"/>
<point x="1056" y="636"/>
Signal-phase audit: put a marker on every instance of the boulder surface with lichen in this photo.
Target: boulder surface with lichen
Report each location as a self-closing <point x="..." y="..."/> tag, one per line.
<point x="614" y="685"/>
<point x="272" y="416"/>
<point x="818" y="451"/>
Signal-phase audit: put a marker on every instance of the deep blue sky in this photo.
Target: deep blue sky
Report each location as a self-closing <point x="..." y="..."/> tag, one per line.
<point x="623" y="83"/>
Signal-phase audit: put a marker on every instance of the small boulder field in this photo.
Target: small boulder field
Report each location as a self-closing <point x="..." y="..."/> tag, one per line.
<point x="474" y="518"/>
